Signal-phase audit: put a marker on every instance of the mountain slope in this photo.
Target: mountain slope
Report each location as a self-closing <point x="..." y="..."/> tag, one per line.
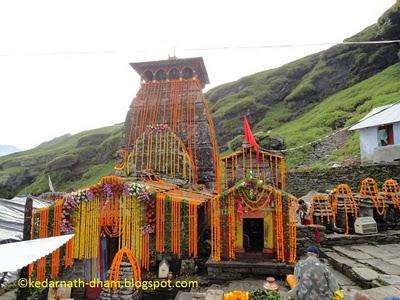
<point x="7" y="149"/>
<point x="72" y="161"/>
<point x="298" y="102"/>
<point x="337" y="111"/>
<point x="274" y="97"/>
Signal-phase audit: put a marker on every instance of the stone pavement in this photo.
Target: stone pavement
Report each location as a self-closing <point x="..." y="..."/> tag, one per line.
<point x="9" y="296"/>
<point x="246" y="284"/>
<point x="251" y="284"/>
<point x="376" y="268"/>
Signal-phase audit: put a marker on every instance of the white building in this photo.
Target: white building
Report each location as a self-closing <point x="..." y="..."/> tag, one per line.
<point x="380" y="135"/>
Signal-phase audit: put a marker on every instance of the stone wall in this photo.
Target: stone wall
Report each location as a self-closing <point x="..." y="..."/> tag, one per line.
<point x="236" y="270"/>
<point x="306" y="236"/>
<point x="386" y="237"/>
<point x="77" y="272"/>
<point x="300" y="183"/>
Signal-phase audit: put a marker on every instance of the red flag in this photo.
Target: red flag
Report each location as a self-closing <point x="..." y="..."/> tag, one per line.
<point x="248" y="136"/>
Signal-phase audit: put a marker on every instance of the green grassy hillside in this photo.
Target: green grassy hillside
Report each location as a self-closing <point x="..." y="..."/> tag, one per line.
<point x="337" y="111"/>
<point x="298" y="103"/>
<point x="276" y="97"/>
<point x="72" y="161"/>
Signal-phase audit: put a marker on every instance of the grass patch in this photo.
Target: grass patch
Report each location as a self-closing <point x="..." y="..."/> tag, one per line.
<point x="342" y="109"/>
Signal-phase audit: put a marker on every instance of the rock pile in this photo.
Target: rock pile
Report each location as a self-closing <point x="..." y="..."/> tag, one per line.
<point x="123" y="292"/>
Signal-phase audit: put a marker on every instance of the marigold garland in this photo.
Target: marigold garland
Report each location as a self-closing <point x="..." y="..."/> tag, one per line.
<point x="116" y="264"/>
<point x="55" y="256"/>
<point x="69" y="253"/>
<point x="343" y="191"/>
<point x="268" y="167"/>
<point x="369" y="188"/>
<point x="292" y="207"/>
<point x="163" y="151"/>
<point x="192" y="224"/>
<point x="146" y="251"/>
<point x="87" y="232"/>
<point x="391" y="190"/>
<point x="215" y="229"/>
<point x="176" y="226"/>
<point x="324" y="206"/>
<point x="131" y="226"/>
<point x="160" y="222"/>
<point x="232" y="226"/>
<point x="43" y="230"/>
<point x="280" y="237"/>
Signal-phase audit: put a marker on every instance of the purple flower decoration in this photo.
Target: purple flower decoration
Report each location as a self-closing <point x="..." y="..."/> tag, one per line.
<point x="89" y="195"/>
<point x="148" y="229"/>
<point x="125" y="189"/>
<point x="107" y="189"/>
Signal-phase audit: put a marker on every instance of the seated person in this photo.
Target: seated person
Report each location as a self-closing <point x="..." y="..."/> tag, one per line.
<point x="313" y="280"/>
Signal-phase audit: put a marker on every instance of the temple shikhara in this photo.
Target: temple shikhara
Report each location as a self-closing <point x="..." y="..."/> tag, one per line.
<point x="173" y="193"/>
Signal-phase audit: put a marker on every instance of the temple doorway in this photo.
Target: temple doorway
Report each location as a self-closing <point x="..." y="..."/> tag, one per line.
<point x="112" y="249"/>
<point x="253" y="234"/>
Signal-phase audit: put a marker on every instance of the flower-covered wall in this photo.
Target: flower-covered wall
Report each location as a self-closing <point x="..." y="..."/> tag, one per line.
<point x="140" y="218"/>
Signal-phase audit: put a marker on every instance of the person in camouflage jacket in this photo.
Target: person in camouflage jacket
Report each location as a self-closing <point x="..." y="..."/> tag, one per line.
<point x="314" y="280"/>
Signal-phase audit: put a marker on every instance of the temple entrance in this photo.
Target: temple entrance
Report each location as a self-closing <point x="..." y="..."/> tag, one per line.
<point x="112" y="249"/>
<point x="253" y="234"/>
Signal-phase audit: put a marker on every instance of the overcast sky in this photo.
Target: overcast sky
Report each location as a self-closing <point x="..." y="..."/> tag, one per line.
<point x="64" y="64"/>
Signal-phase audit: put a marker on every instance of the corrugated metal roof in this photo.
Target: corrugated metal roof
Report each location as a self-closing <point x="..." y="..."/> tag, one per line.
<point x="382" y="115"/>
<point x="12" y="216"/>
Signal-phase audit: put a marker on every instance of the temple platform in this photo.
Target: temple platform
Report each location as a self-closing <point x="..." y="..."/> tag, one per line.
<point x="232" y="270"/>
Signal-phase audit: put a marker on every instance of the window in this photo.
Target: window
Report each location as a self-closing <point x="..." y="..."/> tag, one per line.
<point x="147" y="76"/>
<point x="187" y="73"/>
<point x="174" y="74"/>
<point x="161" y="75"/>
<point x="385" y="135"/>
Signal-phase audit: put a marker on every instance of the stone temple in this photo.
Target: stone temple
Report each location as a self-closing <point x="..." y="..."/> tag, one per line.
<point x="175" y="199"/>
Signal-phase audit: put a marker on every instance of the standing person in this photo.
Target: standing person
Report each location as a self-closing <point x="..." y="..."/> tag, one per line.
<point x="304" y="211"/>
<point x="313" y="280"/>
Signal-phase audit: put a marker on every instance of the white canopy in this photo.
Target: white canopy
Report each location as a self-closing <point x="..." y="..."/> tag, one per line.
<point x="14" y="256"/>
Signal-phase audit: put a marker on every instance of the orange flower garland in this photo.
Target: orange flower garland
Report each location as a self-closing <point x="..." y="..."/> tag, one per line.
<point x="391" y="190"/>
<point x="160" y="222"/>
<point x="173" y="103"/>
<point x="55" y="256"/>
<point x="344" y="191"/>
<point x="369" y="188"/>
<point x="43" y="230"/>
<point x="280" y="237"/>
<point x="146" y="251"/>
<point x="231" y="228"/>
<point x="111" y="180"/>
<point x="191" y="229"/>
<point x="116" y="264"/>
<point x="215" y="229"/>
<point x="323" y="205"/>
<point x="292" y="207"/>
<point x="69" y="254"/>
<point x="176" y="226"/>
<point x="163" y="151"/>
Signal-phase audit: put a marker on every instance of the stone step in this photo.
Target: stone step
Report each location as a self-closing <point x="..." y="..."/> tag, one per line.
<point x="380" y="293"/>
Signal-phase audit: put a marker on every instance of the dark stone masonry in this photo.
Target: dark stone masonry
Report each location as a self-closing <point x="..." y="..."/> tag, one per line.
<point x="299" y="183"/>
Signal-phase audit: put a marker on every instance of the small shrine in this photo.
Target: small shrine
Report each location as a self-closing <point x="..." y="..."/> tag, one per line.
<point x="252" y="214"/>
